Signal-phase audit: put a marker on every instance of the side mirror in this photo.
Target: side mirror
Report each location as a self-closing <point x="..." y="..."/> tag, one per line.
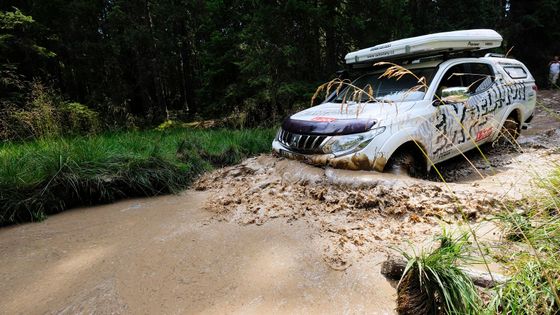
<point x="455" y="95"/>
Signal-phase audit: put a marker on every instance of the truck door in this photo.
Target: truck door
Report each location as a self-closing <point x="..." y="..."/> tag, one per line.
<point x="464" y="112"/>
<point x="480" y="120"/>
<point x="449" y="136"/>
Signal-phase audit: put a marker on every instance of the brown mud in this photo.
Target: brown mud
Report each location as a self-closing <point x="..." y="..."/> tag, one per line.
<point x="267" y="236"/>
<point x="360" y="212"/>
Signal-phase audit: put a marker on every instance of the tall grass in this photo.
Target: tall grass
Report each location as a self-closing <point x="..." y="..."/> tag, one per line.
<point x="433" y="283"/>
<point x="46" y="176"/>
<point x="535" y="265"/>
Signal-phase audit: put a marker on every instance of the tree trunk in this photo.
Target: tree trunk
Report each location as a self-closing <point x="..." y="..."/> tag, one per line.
<point x="330" y="37"/>
<point x="158" y="84"/>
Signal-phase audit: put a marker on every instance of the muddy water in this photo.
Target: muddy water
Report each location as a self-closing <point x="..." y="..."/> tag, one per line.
<point x="166" y="255"/>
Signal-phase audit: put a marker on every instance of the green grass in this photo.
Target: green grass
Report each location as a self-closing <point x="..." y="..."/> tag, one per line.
<point x="529" y="291"/>
<point x="433" y="283"/>
<point x="534" y="266"/>
<point x="51" y="175"/>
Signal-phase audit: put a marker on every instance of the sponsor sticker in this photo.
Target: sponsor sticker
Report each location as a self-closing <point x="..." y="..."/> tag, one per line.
<point x="483" y="134"/>
<point x="323" y="119"/>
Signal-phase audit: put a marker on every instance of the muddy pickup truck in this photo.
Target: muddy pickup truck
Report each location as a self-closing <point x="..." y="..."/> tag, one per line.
<point x="404" y="124"/>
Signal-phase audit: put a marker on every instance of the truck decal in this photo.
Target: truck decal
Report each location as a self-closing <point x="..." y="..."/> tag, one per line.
<point x="451" y="120"/>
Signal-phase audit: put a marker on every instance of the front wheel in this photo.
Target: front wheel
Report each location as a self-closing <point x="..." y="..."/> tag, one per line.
<point x="404" y="163"/>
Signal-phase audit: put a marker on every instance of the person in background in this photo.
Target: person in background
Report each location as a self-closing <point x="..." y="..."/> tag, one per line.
<point x="554" y="70"/>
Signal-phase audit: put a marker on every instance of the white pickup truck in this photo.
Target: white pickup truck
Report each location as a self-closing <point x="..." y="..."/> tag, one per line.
<point x="464" y="102"/>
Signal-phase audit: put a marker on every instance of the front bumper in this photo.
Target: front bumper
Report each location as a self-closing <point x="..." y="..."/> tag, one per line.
<point x="353" y="161"/>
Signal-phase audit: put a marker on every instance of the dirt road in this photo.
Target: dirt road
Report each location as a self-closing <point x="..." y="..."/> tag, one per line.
<point x="266" y="236"/>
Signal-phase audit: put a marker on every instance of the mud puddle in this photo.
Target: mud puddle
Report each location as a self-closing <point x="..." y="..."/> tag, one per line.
<point x="358" y="212"/>
<point x="166" y="255"/>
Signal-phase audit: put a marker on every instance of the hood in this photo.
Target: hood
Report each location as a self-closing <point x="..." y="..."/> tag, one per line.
<point x="332" y="119"/>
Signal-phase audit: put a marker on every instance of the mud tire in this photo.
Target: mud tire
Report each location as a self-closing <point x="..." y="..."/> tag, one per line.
<point x="510" y="132"/>
<point x="404" y="162"/>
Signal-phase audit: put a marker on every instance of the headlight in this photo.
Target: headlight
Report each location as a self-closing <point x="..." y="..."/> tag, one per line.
<point x="340" y="145"/>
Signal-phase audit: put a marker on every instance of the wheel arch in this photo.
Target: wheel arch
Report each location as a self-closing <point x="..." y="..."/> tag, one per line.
<point x="415" y="146"/>
<point x="517" y="113"/>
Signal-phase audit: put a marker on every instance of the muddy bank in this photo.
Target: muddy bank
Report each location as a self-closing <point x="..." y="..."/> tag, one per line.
<point x="356" y="212"/>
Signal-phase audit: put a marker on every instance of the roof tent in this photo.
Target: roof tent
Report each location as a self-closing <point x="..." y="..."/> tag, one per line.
<point x="427" y="45"/>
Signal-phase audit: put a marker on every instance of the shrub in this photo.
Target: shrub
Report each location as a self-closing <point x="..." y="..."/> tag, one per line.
<point x="46" y="114"/>
<point x="79" y="118"/>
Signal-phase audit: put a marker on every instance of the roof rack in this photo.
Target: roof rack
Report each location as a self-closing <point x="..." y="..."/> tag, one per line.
<point x="495" y="55"/>
<point x="420" y="58"/>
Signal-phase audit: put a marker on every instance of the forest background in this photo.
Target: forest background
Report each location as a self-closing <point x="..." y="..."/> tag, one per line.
<point x="105" y="64"/>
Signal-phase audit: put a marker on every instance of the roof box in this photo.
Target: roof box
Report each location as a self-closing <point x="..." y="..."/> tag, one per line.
<point x="426" y="45"/>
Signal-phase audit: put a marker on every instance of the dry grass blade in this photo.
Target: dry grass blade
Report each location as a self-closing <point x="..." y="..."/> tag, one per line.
<point x="317" y="92"/>
<point x="351" y="92"/>
<point x="509" y="51"/>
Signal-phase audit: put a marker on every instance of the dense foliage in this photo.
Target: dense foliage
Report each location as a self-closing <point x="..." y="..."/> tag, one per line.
<point x="138" y="62"/>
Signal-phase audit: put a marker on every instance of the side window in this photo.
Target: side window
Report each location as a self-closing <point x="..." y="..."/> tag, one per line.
<point x="451" y="79"/>
<point x="516" y="72"/>
<point x="478" y="77"/>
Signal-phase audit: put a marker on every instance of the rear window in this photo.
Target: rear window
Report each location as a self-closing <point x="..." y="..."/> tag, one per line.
<point x="516" y="72"/>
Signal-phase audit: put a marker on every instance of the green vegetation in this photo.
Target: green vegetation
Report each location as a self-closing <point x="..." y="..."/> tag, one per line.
<point x="432" y="281"/>
<point x="530" y="254"/>
<point x="143" y="62"/>
<point x="45" y="115"/>
<point x="535" y="263"/>
<point x="50" y="175"/>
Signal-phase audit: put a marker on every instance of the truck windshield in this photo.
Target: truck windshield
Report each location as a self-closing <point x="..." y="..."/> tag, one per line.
<point x="387" y="89"/>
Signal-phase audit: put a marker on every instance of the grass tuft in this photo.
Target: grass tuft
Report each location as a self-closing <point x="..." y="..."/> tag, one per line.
<point x="433" y="283"/>
<point x="535" y="265"/>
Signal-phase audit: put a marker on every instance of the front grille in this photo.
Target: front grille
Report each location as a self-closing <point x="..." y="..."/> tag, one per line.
<point x="302" y="143"/>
